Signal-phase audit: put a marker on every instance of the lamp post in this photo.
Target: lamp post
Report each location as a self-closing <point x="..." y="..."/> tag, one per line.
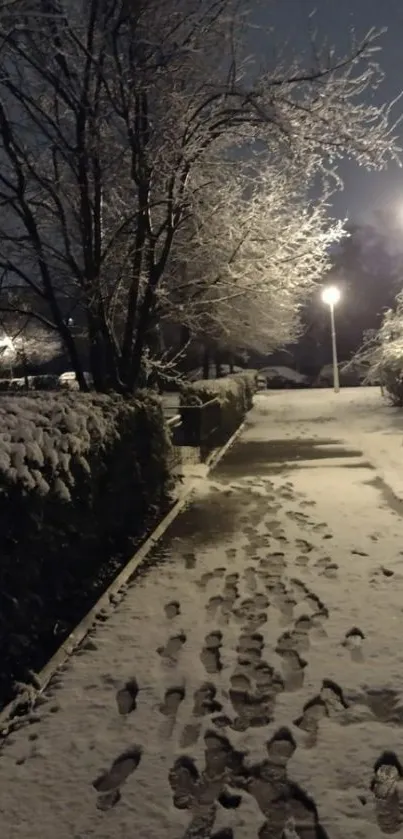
<point x="331" y="296"/>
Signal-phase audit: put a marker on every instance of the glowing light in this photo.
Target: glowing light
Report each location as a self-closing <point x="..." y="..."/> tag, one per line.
<point x="331" y="295"/>
<point x="7" y="346"/>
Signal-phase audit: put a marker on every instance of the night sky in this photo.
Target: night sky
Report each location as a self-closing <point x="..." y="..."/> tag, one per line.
<point x="364" y="191"/>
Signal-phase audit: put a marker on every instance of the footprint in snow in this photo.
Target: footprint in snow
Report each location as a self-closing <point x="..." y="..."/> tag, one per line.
<point x="328" y="568"/>
<point x="126" y="697"/>
<point x="205" y="703"/>
<point x="173" y="698"/>
<point x="385" y="788"/>
<point x="172" y="647"/>
<point x="190" y="735"/>
<point x="219" y="573"/>
<point x="300" y="518"/>
<point x="304" y="546"/>
<point x="381" y="573"/>
<point x="330" y="702"/>
<point x="321" y="527"/>
<point x="250" y="579"/>
<point x="169" y="708"/>
<point x="213" y="605"/>
<point x="210" y="654"/>
<point x="190" y="560"/>
<point x="293" y="668"/>
<point x="172" y="609"/>
<point x="353" y="643"/>
<point x="205" y="700"/>
<point x="108" y="784"/>
<point x="205" y="579"/>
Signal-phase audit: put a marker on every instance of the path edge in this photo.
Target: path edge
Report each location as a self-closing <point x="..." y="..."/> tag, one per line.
<point x="80" y="632"/>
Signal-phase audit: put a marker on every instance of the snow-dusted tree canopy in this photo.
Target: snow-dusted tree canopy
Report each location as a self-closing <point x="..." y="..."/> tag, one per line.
<point x="381" y="354"/>
<point x="252" y="253"/>
<point x="149" y="169"/>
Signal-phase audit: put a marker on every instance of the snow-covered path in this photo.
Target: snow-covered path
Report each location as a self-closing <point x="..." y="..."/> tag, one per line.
<point x="252" y="680"/>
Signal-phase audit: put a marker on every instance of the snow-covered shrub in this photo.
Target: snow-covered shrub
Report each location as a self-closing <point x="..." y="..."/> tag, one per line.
<point x="79" y="475"/>
<point x="233" y="396"/>
<point x="381" y="354"/>
<point x="65" y="449"/>
<point x="249" y="382"/>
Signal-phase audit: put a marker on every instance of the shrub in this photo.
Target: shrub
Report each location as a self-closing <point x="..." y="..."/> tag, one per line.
<point x="381" y="355"/>
<point x="249" y="382"/>
<point x="233" y="395"/>
<point x="79" y="473"/>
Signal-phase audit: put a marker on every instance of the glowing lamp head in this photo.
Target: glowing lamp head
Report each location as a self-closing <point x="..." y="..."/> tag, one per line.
<point x="7" y="347"/>
<point x="331" y="295"/>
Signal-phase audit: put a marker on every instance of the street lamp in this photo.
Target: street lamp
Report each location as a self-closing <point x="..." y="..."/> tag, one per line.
<point x="331" y="296"/>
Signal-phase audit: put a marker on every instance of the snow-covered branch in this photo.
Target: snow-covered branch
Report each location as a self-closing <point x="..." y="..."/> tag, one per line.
<point x="253" y="253"/>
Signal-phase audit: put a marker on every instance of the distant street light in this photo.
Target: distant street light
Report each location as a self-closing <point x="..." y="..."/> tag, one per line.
<point x="331" y="296"/>
<point x="8" y="351"/>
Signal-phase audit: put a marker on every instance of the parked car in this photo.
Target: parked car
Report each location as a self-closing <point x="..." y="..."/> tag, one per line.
<point x="197" y="374"/>
<point x="350" y="377"/>
<point x="68" y="380"/>
<point x="283" y="378"/>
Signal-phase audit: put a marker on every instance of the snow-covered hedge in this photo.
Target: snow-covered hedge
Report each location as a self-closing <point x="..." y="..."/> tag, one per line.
<point x="79" y="474"/>
<point x="249" y="383"/>
<point x="234" y="395"/>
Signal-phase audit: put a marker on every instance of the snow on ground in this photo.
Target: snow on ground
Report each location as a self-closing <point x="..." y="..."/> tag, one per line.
<point x="252" y="679"/>
<point x="357" y="415"/>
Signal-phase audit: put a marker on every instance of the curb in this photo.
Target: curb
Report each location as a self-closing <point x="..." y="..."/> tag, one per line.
<point x="77" y="636"/>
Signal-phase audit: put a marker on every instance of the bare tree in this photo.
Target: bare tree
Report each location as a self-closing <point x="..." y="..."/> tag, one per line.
<point x="111" y="118"/>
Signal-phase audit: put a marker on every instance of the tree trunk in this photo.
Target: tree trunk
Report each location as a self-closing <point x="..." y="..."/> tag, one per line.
<point x="75" y="361"/>
<point x="218" y="365"/>
<point x="184" y="337"/>
<point x="24" y="363"/>
<point x="206" y="363"/>
<point x="97" y="363"/>
<point x="143" y="325"/>
<point x="103" y="354"/>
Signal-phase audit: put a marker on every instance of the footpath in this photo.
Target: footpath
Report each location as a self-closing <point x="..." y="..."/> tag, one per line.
<point x="249" y="682"/>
